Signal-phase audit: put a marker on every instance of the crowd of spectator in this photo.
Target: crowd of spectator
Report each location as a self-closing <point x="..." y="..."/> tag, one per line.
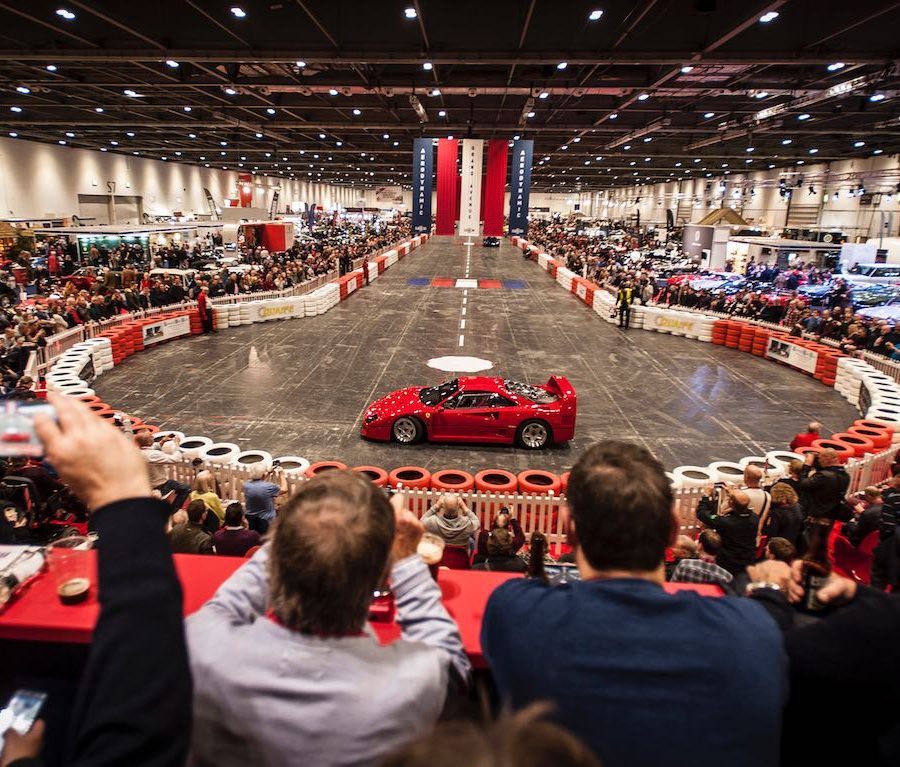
<point x="278" y="666"/>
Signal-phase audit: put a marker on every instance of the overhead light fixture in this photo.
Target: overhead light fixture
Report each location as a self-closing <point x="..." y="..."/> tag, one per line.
<point x="172" y="63"/>
<point x="192" y="135"/>
<point x="51" y="67"/>
<point x="427" y="66"/>
<point x="98" y="109"/>
<point x="396" y="143"/>
<point x="787" y="141"/>
<point x="332" y="92"/>
<point x="114" y="143"/>
<point x="130" y="134"/>
<point x="270" y="111"/>
<point x="23" y="89"/>
<point x="877" y="151"/>
<point x="238" y="12"/>
<point x="877" y="97"/>
<point x="410" y="13"/>
<point x="15" y="109"/>
<point x="61" y="141"/>
<point x="709" y="115"/>
<point x="229" y="91"/>
<point x="223" y="143"/>
<point x="576" y="139"/>
<point x="562" y="65"/>
<point x="626" y="147"/>
<point x="65" y="13"/>
<point x="858" y="144"/>
<point x="130" y="93"/>
<point x="13" y="134"/>
<point x="760" y="94"/>
<point x="614" y="116"/>
<point x="595" y="15"/>
<point x="767" y="17"/>
<point x="804" y="116"/>
<point x="70" y="134"/>
<point x="643" y="97"/>
<point x="188" y="109"/>
<point x="836" y="66"/>
<point x="529" y="114"/>
<point x="442" y="113"/>
<point x="686" y="69"/>
<point x="648" y="139"/>
<point x="435" y="92"/>
<point x="750" y="149"/>
<point x="813" y="150"/>
<point x="357" y="112"/>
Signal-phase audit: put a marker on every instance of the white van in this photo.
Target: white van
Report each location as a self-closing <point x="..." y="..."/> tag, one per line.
<point x="888" y="274"/>
<point x="185" y="275"/>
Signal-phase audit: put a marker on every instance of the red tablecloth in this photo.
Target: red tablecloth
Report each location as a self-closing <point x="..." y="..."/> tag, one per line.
<point x="38" y="615"/>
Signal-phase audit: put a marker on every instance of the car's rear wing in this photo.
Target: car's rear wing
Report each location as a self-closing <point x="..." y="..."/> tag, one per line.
<point x="560" y="385"/>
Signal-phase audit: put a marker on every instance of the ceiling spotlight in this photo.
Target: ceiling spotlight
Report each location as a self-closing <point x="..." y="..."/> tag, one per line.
<point x="643" y="97"/>
<point x="767" y="17"/>
<point x="626" y="147"/>
<point x="192" y="135"/>
<point x="187" y="109"/>
<point x="877" y="97"/>
<point x="516" y="137"/>
<point x="13" y="134"/>
<point x="172" y="63"/>
<point x="23" y="89"/>
<point x="238" y="12"/>
<point x="332" y="92"/>
<point x="70" y="134"/>
<point x="98" y="109"/>
<point x="15" y="109"/>
<point x="530" y="114"/>
<point x="270" y="111"/>
<point x="130" y="93"/>
<point x="750" y="149"/>
<point x="576" y="139"/>
<point x="114" y="143"/>
<point x="787" y="141"/>
<point x="65" y="13"/>
<point x="858" y="144"/>
<point x="61" y="142"/>
<point x="230" y="92"/>
<point x="357" y="112"/>
<point x="804" y="116"/>
<point x="51" y="67"/>
<point x="595" y="15"/>
<point x="396" y="143"/>
<point x="709" y="115"/>
<point x="223" y="143"/>
<point x="813" y="150"/>
<point x="259" y="135"/>
<point x="562" y="65"/>
<point x="427" y="66"/>
<point x="648" y="139"/>
<point x="442" y="113"/>
<point x="543" y="95"/>
<point x="877" y="151"/>
<point x="614" y="115"/>
<point x="761" y="94"/>
<point x="435" y="92"/>
<point x="130" y="134"/>
<point x="410" y="13"/>
<point x="836" y="66"/>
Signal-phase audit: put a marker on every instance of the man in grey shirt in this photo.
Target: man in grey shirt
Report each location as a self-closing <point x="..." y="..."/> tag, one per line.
<point x="451" y="519"/>
<point x="284" y="668"/>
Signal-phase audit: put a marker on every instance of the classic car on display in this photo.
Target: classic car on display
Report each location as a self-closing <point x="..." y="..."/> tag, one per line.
<point x="476" y="409"/>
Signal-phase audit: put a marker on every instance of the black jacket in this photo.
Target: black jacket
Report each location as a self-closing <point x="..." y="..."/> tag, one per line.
<point x="785" y="522"/>
<point x="821" y="494"/>
<point x="738" y="532"/>
<point x="134" y="698"/>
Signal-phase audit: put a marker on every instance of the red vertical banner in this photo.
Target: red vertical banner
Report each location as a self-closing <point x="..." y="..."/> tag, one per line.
<point x="245" y="189"/>
<point x="494" y="188"/>
<point x="447" y="186"/>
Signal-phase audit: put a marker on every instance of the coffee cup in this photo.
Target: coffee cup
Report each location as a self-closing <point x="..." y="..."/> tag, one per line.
<point x="71" y="567"/>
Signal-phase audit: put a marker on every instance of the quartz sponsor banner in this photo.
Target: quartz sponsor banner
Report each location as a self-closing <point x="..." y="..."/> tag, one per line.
<point x="520" y="186"/>
<point x="470" y="198"/>
<point x="260" y="311"/>
<point x="167" y="329"/>
<point x="668" y="323"/>
<point x="791" y="354"/>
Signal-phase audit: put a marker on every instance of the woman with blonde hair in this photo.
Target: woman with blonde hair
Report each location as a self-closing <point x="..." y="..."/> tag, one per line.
<point x="203" y="488"/>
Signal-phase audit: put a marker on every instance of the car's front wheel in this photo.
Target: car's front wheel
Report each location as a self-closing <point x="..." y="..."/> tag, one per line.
<point x="407" y="430"/>
<point x="533" y="435"/>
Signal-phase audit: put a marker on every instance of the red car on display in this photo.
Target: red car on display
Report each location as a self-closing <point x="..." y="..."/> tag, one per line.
<point x="476" y="409"/>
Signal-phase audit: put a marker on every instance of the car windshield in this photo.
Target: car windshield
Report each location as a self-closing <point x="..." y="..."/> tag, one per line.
<point x="535" y="394"/>
<point x="434" y="395"/>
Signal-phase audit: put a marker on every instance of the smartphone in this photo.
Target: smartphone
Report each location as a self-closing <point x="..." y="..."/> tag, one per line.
<point x="21" y="711"/>
<point x="17" y="435"/>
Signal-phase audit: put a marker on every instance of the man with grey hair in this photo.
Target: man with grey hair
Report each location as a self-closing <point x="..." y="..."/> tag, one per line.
<point x="452" y="520"/>
<point x="805" y="439"/>
<point x="260" y="494"/>
<point x="736" y="523"/>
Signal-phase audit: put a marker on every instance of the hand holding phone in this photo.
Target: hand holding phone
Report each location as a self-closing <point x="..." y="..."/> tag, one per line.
<point x="16" y="722"/>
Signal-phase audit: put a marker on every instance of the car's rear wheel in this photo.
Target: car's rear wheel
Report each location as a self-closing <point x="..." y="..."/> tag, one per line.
<point x="407" y="430"/>
<point x="533" y="435"/>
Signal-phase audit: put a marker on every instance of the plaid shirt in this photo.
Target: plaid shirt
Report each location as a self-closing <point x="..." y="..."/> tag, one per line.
<point x="701" y="571"/>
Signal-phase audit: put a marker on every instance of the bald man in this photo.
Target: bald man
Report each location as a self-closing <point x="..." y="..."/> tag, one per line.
<point x="759" y="498"/>
<point x="735" y="523"/>
<point x="805" y="439"/>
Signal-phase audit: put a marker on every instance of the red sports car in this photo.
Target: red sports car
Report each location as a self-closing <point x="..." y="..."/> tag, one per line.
<point x="476" y="409"/>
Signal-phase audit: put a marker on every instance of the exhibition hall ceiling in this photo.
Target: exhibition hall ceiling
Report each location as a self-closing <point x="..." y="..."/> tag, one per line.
<point x="613" y="92"/>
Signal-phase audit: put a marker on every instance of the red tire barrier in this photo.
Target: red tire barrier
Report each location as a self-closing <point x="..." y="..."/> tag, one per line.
<point x="496" y="481"/>
<point x="88" y="399"/>
<point x="860" y="444"/>
<point x="538" y="482"/>
<point x="564" y="481"/>
<point x="378" y="476"/>
<point x="453" y="480"/>
<point x="322" y="466"/>
<point x="844" y="451"/>
<point x="804" y="450"/>
<point x="146" y="427"/>
<point x="881" y="438"/>
<point x="871" y="423"/>
<point x="98" y="406"/>
<point x="413" y="477"/>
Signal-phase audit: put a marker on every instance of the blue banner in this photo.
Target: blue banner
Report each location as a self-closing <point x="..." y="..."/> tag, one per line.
<point x="520" y="186"/>
<point x="423" y="182"/>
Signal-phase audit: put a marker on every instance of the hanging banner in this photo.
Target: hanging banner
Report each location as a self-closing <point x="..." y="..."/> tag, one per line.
<point x="494" y="188"/>
<point x="423" y="181"/>
<point x="520" y="186"/>
<point x="470" y="193"/>
<point x="447" y="186"/>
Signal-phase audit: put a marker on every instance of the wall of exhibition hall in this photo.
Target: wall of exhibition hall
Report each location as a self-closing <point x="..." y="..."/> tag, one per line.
<point x="43" y="180"/>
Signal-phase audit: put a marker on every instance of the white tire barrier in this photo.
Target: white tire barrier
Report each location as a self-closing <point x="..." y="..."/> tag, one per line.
<point x="191" y="446"/>
<point x="293" y="465"/>
<point x="761" y="462"/>
<point x="694" y="476"/>
<point x="727" y="471"/>
<point x="253" y="458"/>
<point x="782" y="459"/>
<point x="161" y="435"/>
<point x="219" y="452"/>
<point x="82" y="392"/>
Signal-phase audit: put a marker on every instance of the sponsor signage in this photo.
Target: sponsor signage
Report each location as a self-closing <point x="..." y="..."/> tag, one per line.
<point x="790" y="354"/>
<point x="520" y="186"/>
<point x="269" y="310"/>
<point x="697" y="242"/>
<point x="669" y="323"/>
<point x="392" y="194"/>
<point x="165" y="330"/>
<point x="470" y="195"/>
<point x="423" y="182"/>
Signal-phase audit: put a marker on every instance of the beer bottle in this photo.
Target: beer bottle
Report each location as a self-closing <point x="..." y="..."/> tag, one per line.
<point x="536" y="552"/>
<point x="816" y="566"/>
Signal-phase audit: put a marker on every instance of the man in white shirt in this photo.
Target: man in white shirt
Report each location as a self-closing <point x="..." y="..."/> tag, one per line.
<point x="158" y="459"/>
<point x="760" y="500"/>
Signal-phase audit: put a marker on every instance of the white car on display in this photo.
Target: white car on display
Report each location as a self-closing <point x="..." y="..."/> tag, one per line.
<point x="872" y="273"/>
<point x="889" y="312"/>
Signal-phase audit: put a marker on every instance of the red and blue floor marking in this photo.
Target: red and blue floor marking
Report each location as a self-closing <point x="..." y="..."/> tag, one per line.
<point x="450" y="282"/>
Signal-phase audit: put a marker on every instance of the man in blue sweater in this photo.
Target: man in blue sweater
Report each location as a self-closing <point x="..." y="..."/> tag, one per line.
<point x="644" y="677"/>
